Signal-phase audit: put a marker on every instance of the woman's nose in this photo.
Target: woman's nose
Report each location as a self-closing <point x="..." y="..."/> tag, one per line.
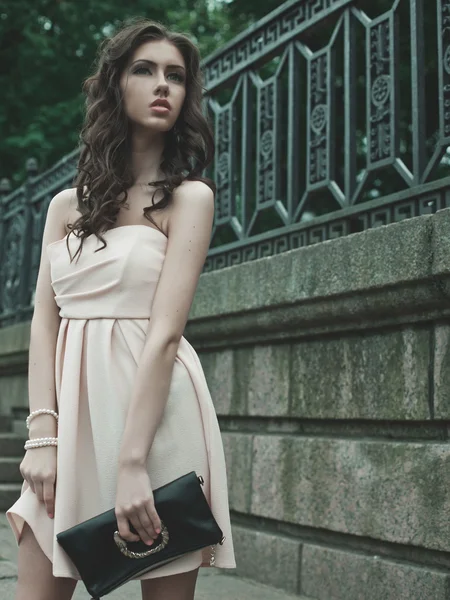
<point x="161" y="83"/>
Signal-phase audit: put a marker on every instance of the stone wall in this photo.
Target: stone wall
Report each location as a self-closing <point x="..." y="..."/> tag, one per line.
<point x="330" y="370"/>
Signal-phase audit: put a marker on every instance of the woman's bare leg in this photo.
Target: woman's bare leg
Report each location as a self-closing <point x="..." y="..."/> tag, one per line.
<point x="35" y="578"/>
<point x="173" y="587"/>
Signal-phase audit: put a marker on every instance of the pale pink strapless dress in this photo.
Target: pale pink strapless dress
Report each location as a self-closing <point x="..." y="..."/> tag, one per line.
<point x="105" y="302"/>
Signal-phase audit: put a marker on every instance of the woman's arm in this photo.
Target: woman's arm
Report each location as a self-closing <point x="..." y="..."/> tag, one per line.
<point x="38" y="467"/>
<point x="189" y="238"/>
<point x="190" y="229"/>
<point x="44" y="325"/>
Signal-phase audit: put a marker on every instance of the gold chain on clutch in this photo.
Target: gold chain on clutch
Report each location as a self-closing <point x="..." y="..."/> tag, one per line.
<point x="212" y="560"/>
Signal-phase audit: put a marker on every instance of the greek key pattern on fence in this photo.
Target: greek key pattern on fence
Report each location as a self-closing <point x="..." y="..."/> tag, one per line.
<point x="329" y="119"/>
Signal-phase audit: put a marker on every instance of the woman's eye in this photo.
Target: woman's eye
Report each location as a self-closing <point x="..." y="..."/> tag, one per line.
<point x="142" y="69"/>
<point x="178" y="77"/>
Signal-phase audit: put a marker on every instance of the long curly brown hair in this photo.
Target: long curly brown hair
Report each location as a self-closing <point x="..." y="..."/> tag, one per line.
<point x="104" y="173"/>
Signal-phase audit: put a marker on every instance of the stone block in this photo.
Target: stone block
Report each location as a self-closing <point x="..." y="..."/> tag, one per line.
<point x="12" y="444"/>
<point x="238" y="454"/>
<point x="9" y="493"/>
<point x="9" y="469"/>
<point x="218" y="369"/>
<point x="375" y="258"/>
<point x="329" y="574"/>
<point x="440" y="241"/>
<point x="249" y="381"/>
<point x="15" y="339"/>
<point x="362" y="376"/>
<point x="267" y="558"/>
<point x="14" y="390"/>
<point x="385" y="490"/>
<point x="8" y="570"/>
<point x="262" y="380"/>
<point x="442" y="372"/>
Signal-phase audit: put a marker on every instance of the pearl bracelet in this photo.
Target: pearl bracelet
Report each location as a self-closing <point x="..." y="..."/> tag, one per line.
<point x="41" y="411"/>
<point x="41" y="442"/>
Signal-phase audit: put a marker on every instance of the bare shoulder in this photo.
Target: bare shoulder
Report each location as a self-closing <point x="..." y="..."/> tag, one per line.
<point x="191" y="201"/>
<point x="66" y="203"/>
<point x="64" y="198"/>
<point x="191" y="211"/>
<point x="63" y="202"/>
<point x="57" y="216"/>
<point x="193" y="192"/>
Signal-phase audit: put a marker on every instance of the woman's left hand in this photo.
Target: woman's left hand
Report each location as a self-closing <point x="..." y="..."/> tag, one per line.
<point x="135" y="503"/>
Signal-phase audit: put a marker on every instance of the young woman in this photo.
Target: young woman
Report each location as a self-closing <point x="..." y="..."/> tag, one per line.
<point x="128" y="406"/>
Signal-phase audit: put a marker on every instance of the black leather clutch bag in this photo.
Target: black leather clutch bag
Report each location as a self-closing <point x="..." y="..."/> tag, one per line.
<point x="105" y="561"/>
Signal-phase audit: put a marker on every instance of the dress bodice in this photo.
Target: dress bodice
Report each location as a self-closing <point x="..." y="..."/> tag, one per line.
<point x="118" y="281"/>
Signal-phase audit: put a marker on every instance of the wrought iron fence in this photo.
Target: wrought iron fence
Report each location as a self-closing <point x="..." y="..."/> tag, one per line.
<point x="330" y="117"/>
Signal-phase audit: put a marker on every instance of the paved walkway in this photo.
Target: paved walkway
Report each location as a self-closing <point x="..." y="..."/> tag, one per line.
<point x="212" y="584"/>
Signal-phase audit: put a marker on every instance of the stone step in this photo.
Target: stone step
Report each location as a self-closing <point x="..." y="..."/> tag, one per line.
<point x="6" y="423"/>
<point x="19" y="428"/>
<point x="20" y="412"/>
<point x="9" y="493"/>
<point x="11" y="444"/>
<point x="18" y="425"/>
<point x="9" y="469"/>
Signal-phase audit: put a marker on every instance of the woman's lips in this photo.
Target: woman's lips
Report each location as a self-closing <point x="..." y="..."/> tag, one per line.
<point x="160" y="109"/>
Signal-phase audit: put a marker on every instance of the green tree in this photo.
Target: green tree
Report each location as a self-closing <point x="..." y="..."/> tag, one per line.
<point x="48" y="48"/>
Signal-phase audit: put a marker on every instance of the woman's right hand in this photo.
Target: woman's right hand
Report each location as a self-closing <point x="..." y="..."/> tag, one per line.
<point x="38" y="468"/>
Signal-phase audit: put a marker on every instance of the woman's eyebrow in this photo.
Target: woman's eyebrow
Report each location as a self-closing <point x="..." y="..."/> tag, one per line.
<point x="151" y="62"/>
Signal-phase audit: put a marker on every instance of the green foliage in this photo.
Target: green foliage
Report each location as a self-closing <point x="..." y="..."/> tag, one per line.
<point x="48" y="47"/>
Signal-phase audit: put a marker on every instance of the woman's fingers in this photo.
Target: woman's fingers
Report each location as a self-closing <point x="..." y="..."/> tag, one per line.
<point x="31" y="484"/>
<point x="38" y="487"/>
<point x="146" y="532"/>
<point x="144" y="520"/>
<point x="49" y="497"/>
<point x="153" y="516"/>
<point x="124" y="528"/>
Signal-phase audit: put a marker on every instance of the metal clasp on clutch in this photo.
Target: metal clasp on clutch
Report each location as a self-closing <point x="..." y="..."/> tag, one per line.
<point x="122" y="544"/>
<point x="212" y="560"/>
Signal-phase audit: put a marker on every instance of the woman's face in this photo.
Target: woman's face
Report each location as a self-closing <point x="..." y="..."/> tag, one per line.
<point x="156" y="71"/>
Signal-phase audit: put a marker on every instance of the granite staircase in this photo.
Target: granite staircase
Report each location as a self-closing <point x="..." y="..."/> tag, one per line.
<point x="13" y="433"/>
